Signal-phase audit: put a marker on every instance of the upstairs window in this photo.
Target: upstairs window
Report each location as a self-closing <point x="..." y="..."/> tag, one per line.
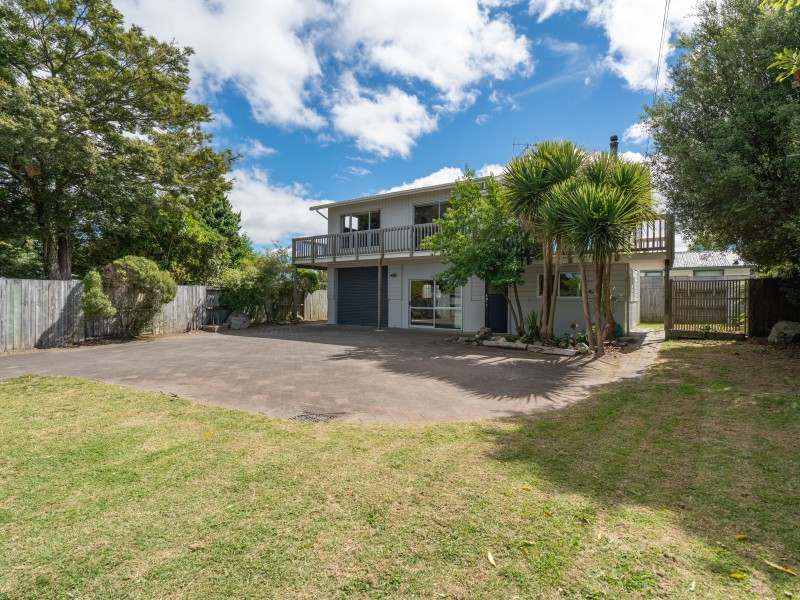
<point x="426" y="213"/>
<point x="364" y="221"/>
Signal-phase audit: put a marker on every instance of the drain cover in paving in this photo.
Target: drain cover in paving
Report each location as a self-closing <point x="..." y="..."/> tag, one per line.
<point x="307" y="417"/>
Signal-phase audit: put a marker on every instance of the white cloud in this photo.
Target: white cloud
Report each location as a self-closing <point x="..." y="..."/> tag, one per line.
<point x="445" y="175"/>
<point x="450" y="44"/>
<point x="273" y="212"/>
<point x="503" y="100"/>
<point x="385" y="122"/>
<point x="633" y="156"/>
<point x="260" y="48"/>
<point x="251" y="149"/>
<point x="633" y="30"/>
<point x="357" y="171"/>
<point x="491" y="169"/>
<point x="483" y="118"/>
<point x="221" y="121"/>
<point x="636" y="134"/>
<point x="273" y="53"/>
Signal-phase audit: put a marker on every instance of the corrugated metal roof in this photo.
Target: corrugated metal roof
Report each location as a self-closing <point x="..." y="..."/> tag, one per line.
<point x="396" y="193"/>
<point x="708" y="258"/>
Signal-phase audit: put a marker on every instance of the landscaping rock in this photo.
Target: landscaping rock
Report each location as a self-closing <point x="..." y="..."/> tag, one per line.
<point x="238" y="320"/>
<point x="502" y="339"/>
<point x="551" y="350"/>
<point x="581" y="348"/>
<point x="785" y="332"/>
<point x="484" y="333"/>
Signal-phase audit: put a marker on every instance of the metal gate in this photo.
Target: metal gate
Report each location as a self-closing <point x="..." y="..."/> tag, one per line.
<point x="709" y="308"/>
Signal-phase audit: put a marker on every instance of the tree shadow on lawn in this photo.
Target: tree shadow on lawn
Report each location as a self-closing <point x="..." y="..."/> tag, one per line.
<point x="712" y="436"/>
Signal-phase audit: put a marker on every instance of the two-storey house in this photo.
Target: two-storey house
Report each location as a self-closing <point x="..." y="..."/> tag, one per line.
<point x="378" y="273"/>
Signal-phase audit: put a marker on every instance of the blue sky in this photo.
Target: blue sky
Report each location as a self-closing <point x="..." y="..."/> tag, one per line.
<point x="335" y="99"/>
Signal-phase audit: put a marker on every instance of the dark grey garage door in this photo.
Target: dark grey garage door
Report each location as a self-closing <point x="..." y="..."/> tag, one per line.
<point x="357" y="298"/>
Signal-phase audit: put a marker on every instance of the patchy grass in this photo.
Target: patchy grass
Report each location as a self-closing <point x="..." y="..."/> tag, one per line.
<point x="639" y="491"/>
<point x="655" y="326"/>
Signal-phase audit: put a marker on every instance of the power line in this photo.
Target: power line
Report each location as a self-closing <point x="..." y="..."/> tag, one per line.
<point x="658" y="64"/>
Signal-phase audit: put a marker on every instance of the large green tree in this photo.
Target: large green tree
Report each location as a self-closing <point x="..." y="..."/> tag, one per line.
<point x="194" y="242"/>
<point x="595" y="215"/>
<point x="95" y="128"/>
<point x="479" y="237"/>
<point x="727" y="133"/>
<point x="527" y="182"/>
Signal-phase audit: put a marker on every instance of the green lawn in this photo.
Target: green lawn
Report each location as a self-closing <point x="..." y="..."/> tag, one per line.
<point x="639" y="491"/>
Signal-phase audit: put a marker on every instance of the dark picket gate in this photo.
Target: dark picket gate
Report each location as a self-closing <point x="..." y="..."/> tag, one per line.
<point x="715" y="308"/>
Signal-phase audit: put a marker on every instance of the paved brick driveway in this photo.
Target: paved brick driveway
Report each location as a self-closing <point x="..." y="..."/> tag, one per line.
<point x="356" y="372"/>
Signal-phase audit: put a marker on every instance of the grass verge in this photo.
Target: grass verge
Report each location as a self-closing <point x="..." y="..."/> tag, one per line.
<point x="639" y="491"/>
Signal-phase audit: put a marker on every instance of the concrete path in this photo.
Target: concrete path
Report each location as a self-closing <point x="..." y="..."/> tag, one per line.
<point x="354" y="373"/>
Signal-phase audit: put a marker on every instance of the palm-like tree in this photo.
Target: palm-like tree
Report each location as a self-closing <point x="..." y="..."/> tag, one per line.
<point x="527" y="181"/>
<point x="598" y="217"/>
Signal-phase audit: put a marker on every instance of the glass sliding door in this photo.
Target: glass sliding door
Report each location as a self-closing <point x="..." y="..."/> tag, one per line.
<point x="434" y="305"/>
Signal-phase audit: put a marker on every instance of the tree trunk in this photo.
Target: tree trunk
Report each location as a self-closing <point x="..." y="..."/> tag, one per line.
<point x="587" y="315"/>
<point x="513" y="312"/>
<point x="521" y="322"/>
<point x="545" y="329"/>
<point x="551" y="318"/>
<point x="598" y="307"/>
<point x="64" y="257"/>
<point x="57" y="251"/>
<point x="609" y="307"/>
<point x="50" y="254"/>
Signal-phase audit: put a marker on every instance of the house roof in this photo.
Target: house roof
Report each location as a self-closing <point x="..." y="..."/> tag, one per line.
<point x="706" y="259"/>
<point x="439" y="187"/>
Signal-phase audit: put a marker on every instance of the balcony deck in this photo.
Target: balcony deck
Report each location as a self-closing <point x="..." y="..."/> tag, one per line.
<point x="406" y="242"/>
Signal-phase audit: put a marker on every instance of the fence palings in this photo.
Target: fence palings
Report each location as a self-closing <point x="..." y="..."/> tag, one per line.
<point x="39" y="313"/>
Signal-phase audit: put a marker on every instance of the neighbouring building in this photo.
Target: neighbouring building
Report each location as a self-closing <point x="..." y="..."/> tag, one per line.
<point x="710" y="263"/>
<point x="377" y="269"/>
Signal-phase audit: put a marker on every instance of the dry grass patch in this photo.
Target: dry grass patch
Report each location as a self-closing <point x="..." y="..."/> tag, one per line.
<point x="639" y="491"/>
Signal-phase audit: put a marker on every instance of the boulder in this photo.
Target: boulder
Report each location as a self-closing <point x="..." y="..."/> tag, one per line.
<point x="238" y="320"/>
<point x="785" y="332"/>
<point x="581" y="348"/>
<point x="484" y="333"/>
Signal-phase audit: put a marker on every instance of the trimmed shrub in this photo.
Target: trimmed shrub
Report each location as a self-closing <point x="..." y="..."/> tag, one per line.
<point x="94" y="302"/>
<point x="137" y="288"/>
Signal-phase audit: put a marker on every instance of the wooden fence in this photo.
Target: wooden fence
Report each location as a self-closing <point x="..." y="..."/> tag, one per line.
<point x="38" y="313"/>
<point x="315" y="306"/>
<point x="769" y="302"/>
<point x="716" y="306"/>
<point x="651" y="299"/>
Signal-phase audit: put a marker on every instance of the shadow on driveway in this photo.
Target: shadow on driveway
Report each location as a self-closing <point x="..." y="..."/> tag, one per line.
<point x="356" y="372"/>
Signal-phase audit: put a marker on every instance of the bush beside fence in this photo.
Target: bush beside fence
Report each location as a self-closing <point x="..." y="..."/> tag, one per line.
<point x="36" y="313"/>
